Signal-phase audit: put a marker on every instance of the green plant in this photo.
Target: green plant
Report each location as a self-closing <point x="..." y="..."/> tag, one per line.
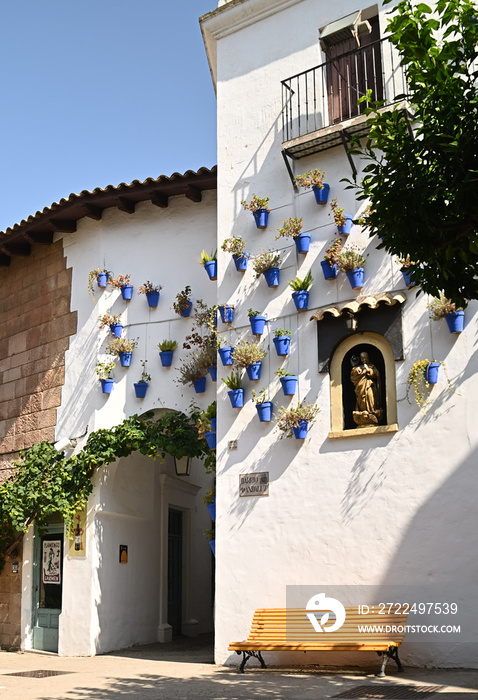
<point x="417" y="379"/>
<point x="92" y="277"/>
<point x="278" y="332"/>
<point x="259" y="397"/>
<point x="332" y="253"/>
<point x="210" y="534"/>
<point x="192" y="367"/>
<point x="247" y="352"/>
<point x="204" y="421"/>
<point x="104" y="369"/>
<point x="145" y="377"/>
<point x="299" y="284"/>
<point x="207" y="257"/>
<point x="117" y="345"/>
<point x="252" y="313"/>
<point x="149" y="288"/>
<point x="233" y="380"/>
<point x="167" y="345"/>
<point x="441" y="306"/>
<point x="266" y="260"/>
<point x="203" y="331"/>
<point x="290" y="228"/>
<point x="183" y="299"/>
<point x="235" y="245"/>
<point x="350" y="259"/>
<point x="256" y="203"/>
<point x="210" y="496"/>
<point x="338" y="212"/>
<point x="312" y="178"/>
<point x="406" y="262"/>
<point x="282" y="373"/>
<point x="107" y="320"/>
<point x="120" y="281"/>
<point x="291" y="417"/>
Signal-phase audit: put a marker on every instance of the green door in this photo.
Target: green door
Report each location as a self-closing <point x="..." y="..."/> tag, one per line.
<point x="47" y="587"/>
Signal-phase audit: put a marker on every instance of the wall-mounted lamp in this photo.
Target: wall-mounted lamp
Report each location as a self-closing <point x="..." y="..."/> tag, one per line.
<point x="68" y="443"/>
<point x="182" y="465"/>
<point x="351" y="322"/>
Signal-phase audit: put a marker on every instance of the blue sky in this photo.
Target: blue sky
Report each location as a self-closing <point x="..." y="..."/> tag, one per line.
<point x="98" y="92"/>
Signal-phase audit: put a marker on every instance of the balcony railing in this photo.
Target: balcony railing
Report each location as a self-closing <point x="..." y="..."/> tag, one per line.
<point x="328" y="94"/>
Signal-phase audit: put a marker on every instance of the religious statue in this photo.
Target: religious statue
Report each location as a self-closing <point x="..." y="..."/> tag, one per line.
<point x="366" y="380"/>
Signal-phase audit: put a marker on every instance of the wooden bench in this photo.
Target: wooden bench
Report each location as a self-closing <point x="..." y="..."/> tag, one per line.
<point x="281" y="629"/>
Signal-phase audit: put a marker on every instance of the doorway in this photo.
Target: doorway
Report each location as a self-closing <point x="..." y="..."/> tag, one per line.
<point x="175" y="570"/>
<point x="47" y="587"/>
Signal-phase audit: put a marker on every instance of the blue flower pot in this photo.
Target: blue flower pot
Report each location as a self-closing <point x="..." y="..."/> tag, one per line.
<point x="264" y="411"/>
<point x="200" y="385"/>
<point x="116" y="329"/>
<point x="107" y="385"/>
<point x="102" y="279"/>
<point x="125" y="358"/>
<point x="140" y="389"/>
<point x="212" y="373"/>
<point x="355" y="277"/>
<point x="153" y="298"/>
<point x="407" y="278"/>
<point x="187" y="310"/>
<point x="225" y="354"/>
<point x="347" y="227"/>
<point x="227" y="313"/>
<point x="261" y="217"/>
<point x="301" y="299"/>
<point x="431" y="372"/>
<point x="302" y="242"/>
<point x="210" y="439"/>
<point x="212" y="544"/>
<point x="330" y="271"/>
<point x="254" y="370"/>
<point x="212" y="509"/>
<point x="240" y="261"/>
<point x="213" y="424"/>
<point x="166" y="357"/>
<point x="289" y="384"/>
<point x="455" y="321"/>
<point x="282" y="344"/>
<point x="236" y="396"/>
<point x="321" y="193"/>
<point x="258" y="323"/>
<point x="211" y="269"/>
<point x="300" y="432"/>
<point x="127" y="291"/>
<point x="272" y="277"/>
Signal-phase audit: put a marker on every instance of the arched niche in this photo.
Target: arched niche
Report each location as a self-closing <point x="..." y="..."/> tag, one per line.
<point x="342" y="393"/>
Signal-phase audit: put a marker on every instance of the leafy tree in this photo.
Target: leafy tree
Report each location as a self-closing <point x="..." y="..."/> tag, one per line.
<point x="422" y="175"/>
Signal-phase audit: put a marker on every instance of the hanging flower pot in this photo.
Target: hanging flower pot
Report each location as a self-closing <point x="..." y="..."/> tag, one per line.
<point x="330" y="271"/>
<point x="407" y="278"/>
<point x="455" y="321"/>
<point x="225" y="353"/>
<point x="116" y="329"/>
<point x="321" y="193"/>
<point x="127" y="291"/>
<point x="355" y="277"/>
<point x="254" y="370"/>
<point x="125" y="358"/>
<point x="107" y="385"/>
<point x="166" y="358"/>
<point x="272" y="276"/>
<point x="212" y="373"/>
<point x="212" y="508"/>
<point x="301" y="299"/>
<point x="102" y="279"/>
<point x="347" y="227"/>
<point x="282" y="344"/>
<point x="258" y="324"/>
<point x="240" y="261"/>
<point x="227" y="313"/>
<point x="210" y="436"/>
<point x="212" y="544"/>
<point x="187" y="309"/>
<point x="261" y="217"/>
<point x="289" y="384"/>
<point x="236" y="397"/>
<point x="140" y="389"/>
<point x="213" y="424"/>
<point x="200" y="385"/>
<point x="431" y="372"/>
<point x="300" y="431"/>
<point x="264" y="411"/>
<point x="302" y="242"/>
<point x="152" y="298"/>
<point x="211" y="269"/>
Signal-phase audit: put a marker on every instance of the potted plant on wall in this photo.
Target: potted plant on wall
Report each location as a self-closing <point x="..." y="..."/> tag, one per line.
<point x="210" y="535"/>
<point x="237" y="246"/>
<point x="209" y="262"/>
<point x="152" y="292"/>
<point x="101" y="277"/>
<point x="193" y="371"/>
<point x="166" y="350"/>
<point x="249" y="355"/>
<point x="225" y="353"/>
<point x="281" y="341"/>
<point x="183" y="304"/>
<point x="300" y="291"/>
<point x="263" y="405"/>
<point x="259" y="206"/>
<point x="407" y="273"/>
<point x="113" y="322"/>
<point x="441" y="307"/>
<point x="227" y="313"/>
<point x="210" y="501"/>
<point x="141" y="386"/>
<point x="342" y="221"/>
<point x="267" y="263"/>
<point x="206" y="421"/>
<point x="291" y="228"/>
<point x="422" y="374"/>
<point x="123" y="283"/>
<point x="288" y="381"/>
<point x="330" y="262"/>
<point x="122" y="348"/>
<point x="352" y="262"/>
<point x="103" y="371"/>
<point x="315" y="179"/>
<point x="257" y="321"/>
<point x="296" y="420"/>
<point x="236" y="392"/>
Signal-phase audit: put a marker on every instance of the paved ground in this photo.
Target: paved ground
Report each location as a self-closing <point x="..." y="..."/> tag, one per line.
<point x="184" y="670"/>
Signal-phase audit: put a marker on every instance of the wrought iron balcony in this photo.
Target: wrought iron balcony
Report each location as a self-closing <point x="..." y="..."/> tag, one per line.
<point x="320" y="103"/>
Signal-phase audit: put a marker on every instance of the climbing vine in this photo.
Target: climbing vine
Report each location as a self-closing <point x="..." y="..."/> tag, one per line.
<point x="46" y="482"/>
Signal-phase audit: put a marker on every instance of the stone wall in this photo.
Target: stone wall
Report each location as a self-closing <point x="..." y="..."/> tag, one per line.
<point x="10" y="601"/>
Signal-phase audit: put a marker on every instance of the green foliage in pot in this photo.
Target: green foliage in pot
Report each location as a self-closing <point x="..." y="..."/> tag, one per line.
<point x="107" y="320"/>
<point x="247" y="352"/>
<point x="145" y="377"/>
<point x="338" y="212"/>
<point x="298" y="284"/>
<point x="117" y="345"/>
<point x="260" y="397"/>
<point x="279" y="332"/>
<point x="167" y="345"/>
<point x="149" y="288"/>
<point x="92" y="277"/>
<point x="192" y="367"/>
<point x="282" y="373"/>
<point x="104" y="369"/>
<point x="291" y="417"/>
<point x="233" y="380"/>
<point x="182" y="300"/>
<point x="235" y="245"/>
<point x="252" y="314"/>
<point x="256" y="203"/>
<point x="266" y="260"/>
<point x="203" y="331"/>
<point x="291" y="228"/>
<point x="207" y="257"/>
<point x="210" y="496"/>
<point x="210" y="533"/>
<point x="203" y="423"/>
<point x="332" y="253"/>
<point x="417" y="380"/>
<point x="350" y="259"/>
<point x="312" y="178"/>
<point x="440" y="307"/>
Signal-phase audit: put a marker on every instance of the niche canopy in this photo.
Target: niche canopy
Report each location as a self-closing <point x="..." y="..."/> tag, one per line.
<point x="351" y="26"/>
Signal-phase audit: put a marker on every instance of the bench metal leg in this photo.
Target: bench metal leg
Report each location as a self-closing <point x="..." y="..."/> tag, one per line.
<point x="392" y="653"/>
<point x="246" y="655"/>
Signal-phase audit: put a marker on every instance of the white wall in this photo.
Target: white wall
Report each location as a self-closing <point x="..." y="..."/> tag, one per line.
<point x="374" y="510"/>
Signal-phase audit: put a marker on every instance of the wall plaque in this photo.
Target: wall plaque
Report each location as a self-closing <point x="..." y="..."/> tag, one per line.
<point x="254" y="484"/>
